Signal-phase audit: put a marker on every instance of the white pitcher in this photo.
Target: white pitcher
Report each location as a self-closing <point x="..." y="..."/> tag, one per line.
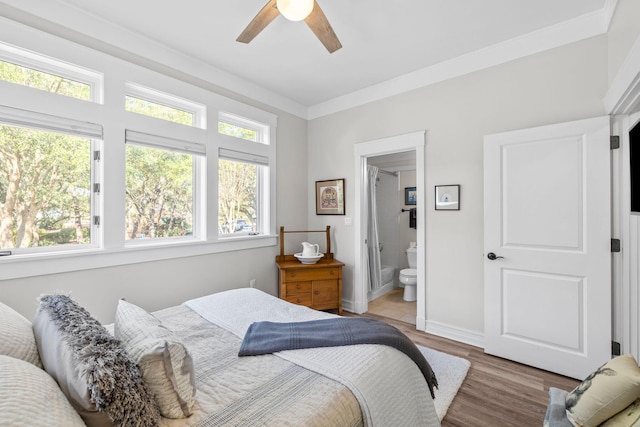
<point x="310" y="249"/>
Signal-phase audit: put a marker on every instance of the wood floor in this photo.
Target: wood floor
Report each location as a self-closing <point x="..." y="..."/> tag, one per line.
<point x="496" y="392"/>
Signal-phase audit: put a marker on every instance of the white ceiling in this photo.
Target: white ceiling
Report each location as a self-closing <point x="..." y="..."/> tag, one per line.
<point x="382" y="40"/>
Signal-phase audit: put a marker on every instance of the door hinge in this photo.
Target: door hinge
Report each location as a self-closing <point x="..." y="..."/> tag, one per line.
<point x="96" y="220"/>
<point x="615" y="245"/>
<point x="615" y="142"/>
<point x="96" y="188"/>
<point x="96" y="155"/>
<point x="615" y="348"/>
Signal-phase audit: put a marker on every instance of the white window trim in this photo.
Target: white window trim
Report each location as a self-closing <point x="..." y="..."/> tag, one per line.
<point x="113" y="252"/>
<point x="50" y="123"/>
<point x="198" y="111"/>
<point x="197" y="151"/>
<point x="46" y="64"/>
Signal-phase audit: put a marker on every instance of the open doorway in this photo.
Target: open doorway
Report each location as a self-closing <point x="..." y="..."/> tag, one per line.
<point x="392" y="290"/>
<point x="415" y="144"/>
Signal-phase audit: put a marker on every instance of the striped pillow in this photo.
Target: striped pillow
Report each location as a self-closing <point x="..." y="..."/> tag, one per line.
<point x="16" y="336"/>
<point x="28" y="395"/>
<point x="165" y="363"/>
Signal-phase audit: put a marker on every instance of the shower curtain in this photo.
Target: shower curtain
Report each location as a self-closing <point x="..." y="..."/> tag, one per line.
<point x="373" y="244"/>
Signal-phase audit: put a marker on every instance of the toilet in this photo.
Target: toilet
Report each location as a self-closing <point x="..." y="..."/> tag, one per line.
<point x="408" y="276"/>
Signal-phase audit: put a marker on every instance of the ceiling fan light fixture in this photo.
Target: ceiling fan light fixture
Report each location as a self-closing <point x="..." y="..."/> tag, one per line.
<point x="295" y="10"/>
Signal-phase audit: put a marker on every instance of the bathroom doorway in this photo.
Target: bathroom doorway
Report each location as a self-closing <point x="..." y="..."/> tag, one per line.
<point x="413" y="143"/>
<point x="395" y="232"/>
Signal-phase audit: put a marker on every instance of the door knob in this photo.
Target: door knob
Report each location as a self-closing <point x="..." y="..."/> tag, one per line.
<point x="493" y="256"/>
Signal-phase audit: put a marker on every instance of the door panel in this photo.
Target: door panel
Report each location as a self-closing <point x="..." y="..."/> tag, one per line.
<point x="547" y="214"/>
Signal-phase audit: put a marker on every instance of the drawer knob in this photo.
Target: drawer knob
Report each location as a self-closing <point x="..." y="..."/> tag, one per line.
<point x="332" y="272"/>
<point x="293" y="274"/>
<point x="316" y="292"/>
<point x="298" y="286"/>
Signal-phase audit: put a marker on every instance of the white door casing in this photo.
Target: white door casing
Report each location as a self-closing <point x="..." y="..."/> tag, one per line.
<point x="547" y="212"/>
<point x="415" y="141"/>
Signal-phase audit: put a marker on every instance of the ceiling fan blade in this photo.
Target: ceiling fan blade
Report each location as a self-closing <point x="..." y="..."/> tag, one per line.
<point x="267" y="14"/>
<point x="320" y="26"/>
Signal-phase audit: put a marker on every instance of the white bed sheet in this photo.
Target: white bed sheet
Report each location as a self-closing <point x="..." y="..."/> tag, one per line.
<point x="388" y="385"/>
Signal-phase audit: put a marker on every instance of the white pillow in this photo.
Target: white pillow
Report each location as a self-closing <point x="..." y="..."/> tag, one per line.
<point x="29" y="396"/>
<point x="16" y="336"/>
<point x="165" y="363"/>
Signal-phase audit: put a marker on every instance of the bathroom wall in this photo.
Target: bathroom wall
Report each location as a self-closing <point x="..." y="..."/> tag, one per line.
<point x="406" y="235"/>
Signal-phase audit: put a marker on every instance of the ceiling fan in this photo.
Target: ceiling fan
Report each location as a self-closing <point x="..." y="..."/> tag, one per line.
<point x="294" y="10"/>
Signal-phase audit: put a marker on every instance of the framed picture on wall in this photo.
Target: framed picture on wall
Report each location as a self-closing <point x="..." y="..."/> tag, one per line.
<point x="409" y="195"/>
<point x="330" y="197"/>
<point x="447" y="197"/>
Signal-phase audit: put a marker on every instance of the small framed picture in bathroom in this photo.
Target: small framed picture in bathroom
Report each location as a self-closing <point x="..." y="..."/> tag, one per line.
<point x="447" y="197"/>
<point x="409" y="195"/>
<point x="330" y="197"/>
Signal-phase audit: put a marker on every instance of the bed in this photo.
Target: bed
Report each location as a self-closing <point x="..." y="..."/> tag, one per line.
<point x="186" y="370"/>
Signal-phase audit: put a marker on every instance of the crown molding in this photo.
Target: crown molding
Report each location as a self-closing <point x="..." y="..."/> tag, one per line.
<point x="67" y="21"/>
<point x="580" y="28"/>
<point x="70" y="23"/>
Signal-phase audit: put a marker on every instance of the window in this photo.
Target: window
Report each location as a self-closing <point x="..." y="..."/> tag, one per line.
<point x="243" y="177"/>
<point x="238" y="195"/>
<point x="158" y="185"/>
<point x="163" y="106"/>
<point x="161" y="178"/>
<point x="40" y="72"/>
<point x="239" y="127"/>
<point x="46" y="182"/>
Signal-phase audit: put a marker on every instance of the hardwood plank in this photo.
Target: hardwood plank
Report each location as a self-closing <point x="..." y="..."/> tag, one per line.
<point x="496" y="392"/>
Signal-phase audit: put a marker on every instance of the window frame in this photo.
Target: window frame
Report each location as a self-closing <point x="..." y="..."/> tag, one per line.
<point x="46" y="64"/>
<point x="55" y="124"/>
<point x="110" y="113"/>
<point x="197" y="153"/>
<point x="148" y="94"/>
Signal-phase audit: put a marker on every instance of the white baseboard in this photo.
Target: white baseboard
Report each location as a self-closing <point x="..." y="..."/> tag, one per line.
<point x="379" y="292"/>
<point x="454" y="333"/>
<point x="436" y="328"/>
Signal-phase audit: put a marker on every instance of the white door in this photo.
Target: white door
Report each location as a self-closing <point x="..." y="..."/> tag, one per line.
<point x="547" y="246"/>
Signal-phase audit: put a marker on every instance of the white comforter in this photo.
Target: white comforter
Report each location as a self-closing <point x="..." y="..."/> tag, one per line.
<point x="388" y="385"/>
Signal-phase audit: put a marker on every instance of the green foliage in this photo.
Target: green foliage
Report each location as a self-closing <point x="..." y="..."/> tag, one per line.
<point x="159" y="193"/>
<point x="237" y="131"/>
<point x="46" y="179"/>
<point x="158" y="111"/>
<point x="237" y="193"/>
<point x="43" y="81"/>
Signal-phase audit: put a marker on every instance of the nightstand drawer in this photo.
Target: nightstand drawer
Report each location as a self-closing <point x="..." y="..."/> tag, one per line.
<point x="312" y="274"/>
<point x="325" y="293"/>
<point x="296" y="288"/>
<point x="302" y="299"/>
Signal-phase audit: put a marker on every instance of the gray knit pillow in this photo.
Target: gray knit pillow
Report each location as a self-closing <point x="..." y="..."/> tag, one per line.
<point x="91" y="367"/>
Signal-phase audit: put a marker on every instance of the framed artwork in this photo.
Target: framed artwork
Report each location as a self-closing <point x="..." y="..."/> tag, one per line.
<point x="447" y="197"/>
<point x="330" y="197"/>
<point x="409" y="195"/>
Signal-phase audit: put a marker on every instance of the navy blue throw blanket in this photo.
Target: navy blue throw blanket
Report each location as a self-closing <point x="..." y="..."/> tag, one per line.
<point x="271" y="337"/>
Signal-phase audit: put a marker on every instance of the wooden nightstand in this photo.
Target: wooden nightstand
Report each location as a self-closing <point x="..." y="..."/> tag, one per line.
<point x="318" y="286"/>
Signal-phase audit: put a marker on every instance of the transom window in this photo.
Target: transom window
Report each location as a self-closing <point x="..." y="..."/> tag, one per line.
<point x="44" y="73"/>
<point x="153" y="103"/>
<point x="242" y="128"/>
<point x="138" y="179"/>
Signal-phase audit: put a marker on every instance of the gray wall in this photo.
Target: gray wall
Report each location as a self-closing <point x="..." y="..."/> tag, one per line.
<point x="562" y="84"/>
<point x="156" y="285"/>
